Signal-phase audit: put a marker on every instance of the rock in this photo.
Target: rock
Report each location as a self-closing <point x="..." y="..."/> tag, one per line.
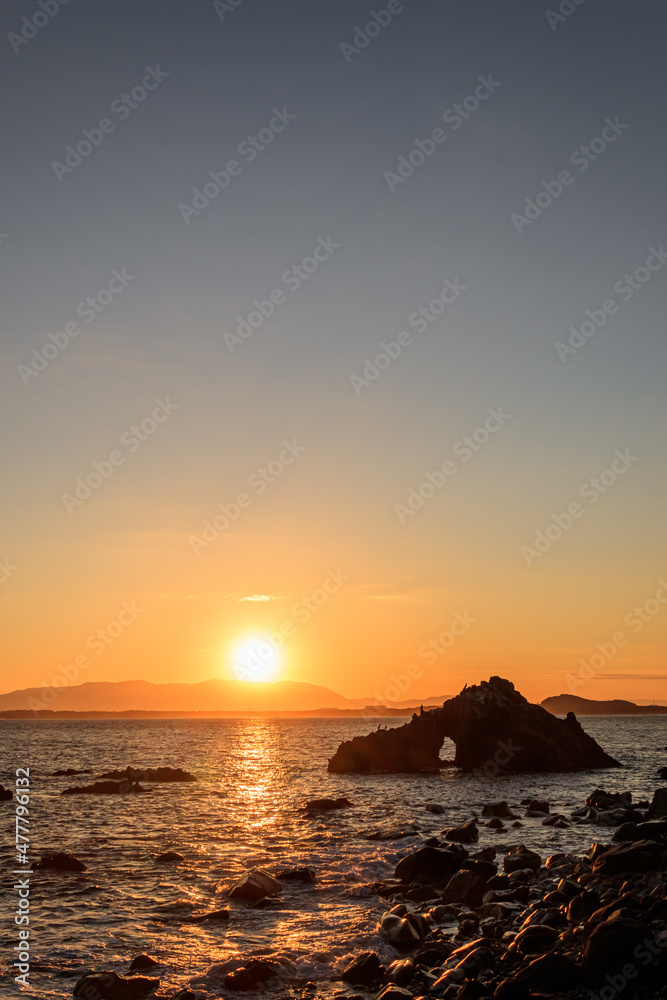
<point x="582" y="906"/>
<point x="465" y="834"/>
<point x="5" y="794"/>
<point x="400" y="972"/>
<point x="109" y="986"/>
<point x="465" y="887"/>
<point x="422" y="894"/>
<point x="393" y="992"/>
<point x="142" y="962"/>
<point x="610" y="947"/>
<point x="248" y="977"/>
<point x="364" y="970"/>
<point x="552" y="973"/>
<point x="512" y="989"/>
<point x="537" y="808"/>
<point x="495" y="824"/>
<point x="149" y="774"/>
<point x="658" y="806"/>
<point x="432" y="866"/>
<point x="519" y="857"/>
<point x="400" y="930"/>
<point x="487" y="722"/>
<point x="434" y="807"/>
<point x="107" y="788"/>
<point x="636" y="856"/>
<point x="326" y="804"/>
<point x="185" y="995"/>
<point x="535" y="939"/>
<point x="499" y="809"/>
<point x="296" y="875"/>
<point x="263" y="903"/>
<point x="599" y="799"/>
<point x="662" y="774"/>
<point x="69" y="772"/>
<point x="555" y="819"/>
<point x="60" y="862"/>
<point x="211" y="916"/>
<point x="169" y="857"/>
<point x="254" y="884"/>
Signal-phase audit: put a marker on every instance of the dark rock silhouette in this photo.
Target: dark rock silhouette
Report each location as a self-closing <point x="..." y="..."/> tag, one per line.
<point x="149" y="774"/>
<point x="492" y="725"/>
<point x="109" y="986"/>
<point x="60" y="861"/>
<point x="5" y="794"/>
<point x="254" y="884"/>
<point x="107" y="788"/>
<point x="326" y="804"/>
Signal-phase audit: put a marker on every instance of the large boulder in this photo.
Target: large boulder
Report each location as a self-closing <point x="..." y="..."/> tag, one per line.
<point x="254" y="884"/>
<point x="431" y="865"/>
<point x="490" y="723"/>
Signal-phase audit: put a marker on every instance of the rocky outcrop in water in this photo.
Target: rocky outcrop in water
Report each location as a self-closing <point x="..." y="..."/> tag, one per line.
<point x="5" y="794"/>
<point x="109" y="986"/>
<point x="108" y="788"/>
<point x="61" y="861"/>
<point x="149" y="774"/>
<point x="494" y="728"/>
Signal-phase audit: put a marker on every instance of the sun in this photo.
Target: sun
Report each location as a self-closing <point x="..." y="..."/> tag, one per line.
<point x="255" y="659"/>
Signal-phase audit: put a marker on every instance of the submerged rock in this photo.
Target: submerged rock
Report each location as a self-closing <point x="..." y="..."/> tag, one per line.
<point x="467" y="833"/>
<point x="109" y="986"/>
<point x="142" y="962"/>
<point x="168" y="858"/>
<point x="5" y="794"/>
<point x="248" y="977"/>
<point x="107" y="788"/>
<point x="69" y="772"/>
<point x="498" y="809"/>
<point x="489" y="722"/>
<point x="149" y="774"/>
<point x="62" y="861"/>
<point x="327" y="804"/>
<point x="296" y="875"/>
<point x="254" y="884"/>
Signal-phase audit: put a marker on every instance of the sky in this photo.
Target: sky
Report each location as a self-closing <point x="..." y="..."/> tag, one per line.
<point x="201" y="454"/>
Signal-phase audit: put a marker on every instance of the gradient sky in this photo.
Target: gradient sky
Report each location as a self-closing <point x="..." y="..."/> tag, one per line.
<point x="333" y="509"/>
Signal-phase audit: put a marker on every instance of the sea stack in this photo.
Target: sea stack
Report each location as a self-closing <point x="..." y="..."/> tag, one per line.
<point x="491" y="724"/>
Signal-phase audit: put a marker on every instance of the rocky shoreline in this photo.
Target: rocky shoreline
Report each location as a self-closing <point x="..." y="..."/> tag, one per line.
<point x="465" y="924"/>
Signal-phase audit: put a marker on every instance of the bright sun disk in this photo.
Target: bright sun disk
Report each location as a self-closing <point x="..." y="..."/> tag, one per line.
<point x="255" y="659"/>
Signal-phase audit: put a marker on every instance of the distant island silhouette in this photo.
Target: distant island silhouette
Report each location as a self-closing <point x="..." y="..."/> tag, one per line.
<point x="230" y="699"/>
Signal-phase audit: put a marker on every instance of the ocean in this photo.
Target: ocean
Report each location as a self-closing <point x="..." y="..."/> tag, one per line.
<point x="254" y="777"/>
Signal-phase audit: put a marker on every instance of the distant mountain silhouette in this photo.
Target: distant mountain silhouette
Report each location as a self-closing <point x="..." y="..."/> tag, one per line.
<point x="213" y="695"/>
<point x="561" y="704"/>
